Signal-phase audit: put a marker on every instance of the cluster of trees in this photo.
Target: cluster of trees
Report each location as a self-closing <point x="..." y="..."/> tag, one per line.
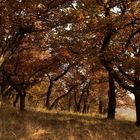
<point x="65" y="47"/>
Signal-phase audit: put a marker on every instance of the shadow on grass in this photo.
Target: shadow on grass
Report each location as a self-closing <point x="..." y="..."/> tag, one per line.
<point x="33" y="125"/>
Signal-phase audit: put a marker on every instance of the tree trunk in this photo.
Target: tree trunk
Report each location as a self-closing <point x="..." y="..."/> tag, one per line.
<point x="22" y="101"/>
<point x="137" y="104"/>
<point x="86" y="98"/>
<point x="100" y="106"/>
<point x="59" y="98"/>
<point x="48" y="94"/>
<point x="137" y="101"/>
<point x="112" y="98"/>
<point x="69" y="102"/>
<point x="48" y="100"/>
<point x="79" y="102"/>
<point x="75" y="101"/>
<point x="85" y="107"/>
<point x="16" y="100"/>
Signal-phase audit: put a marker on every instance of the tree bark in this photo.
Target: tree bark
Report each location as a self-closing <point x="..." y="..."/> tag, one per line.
<point x="48" y="94"/>
<point x="75" y="101"/>
<point x="137" y="104"/>
<point x="59" y="98"/>
<point x="85" y="105"/>
<point x="22" y="101"/>
<point x="137" y="100"/>
<point x="69" y="102"/>
<point x="16" y="100"/>
<point x="101" y="108"/>
<point x="112" y="98"/>
<point x="86" y="98"/>
<point x="79" y="102"/>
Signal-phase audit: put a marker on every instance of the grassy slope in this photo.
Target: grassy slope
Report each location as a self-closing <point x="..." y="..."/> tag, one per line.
<point x="31" y="125"/>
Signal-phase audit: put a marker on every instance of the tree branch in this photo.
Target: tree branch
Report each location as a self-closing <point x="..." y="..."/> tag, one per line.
<point x="60" y="97"/>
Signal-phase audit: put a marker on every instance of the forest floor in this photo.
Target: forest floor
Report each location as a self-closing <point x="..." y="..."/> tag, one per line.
<point x="37" y="125"/>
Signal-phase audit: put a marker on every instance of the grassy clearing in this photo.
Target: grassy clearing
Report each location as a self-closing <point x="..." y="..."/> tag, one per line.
<point x="33" y="125"/>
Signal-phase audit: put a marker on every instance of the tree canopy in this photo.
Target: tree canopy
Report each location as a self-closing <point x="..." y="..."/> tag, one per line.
<point x="71" y="46"/>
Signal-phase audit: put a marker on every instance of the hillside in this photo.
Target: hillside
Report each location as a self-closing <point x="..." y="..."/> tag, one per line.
<point x="33" y="125"/>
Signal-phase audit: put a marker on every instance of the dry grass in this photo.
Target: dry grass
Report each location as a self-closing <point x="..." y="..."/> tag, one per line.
<point x="33" y="125"/>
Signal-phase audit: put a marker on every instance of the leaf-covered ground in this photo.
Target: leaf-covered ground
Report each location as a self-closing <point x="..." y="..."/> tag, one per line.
<point x="33" y="125"/>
